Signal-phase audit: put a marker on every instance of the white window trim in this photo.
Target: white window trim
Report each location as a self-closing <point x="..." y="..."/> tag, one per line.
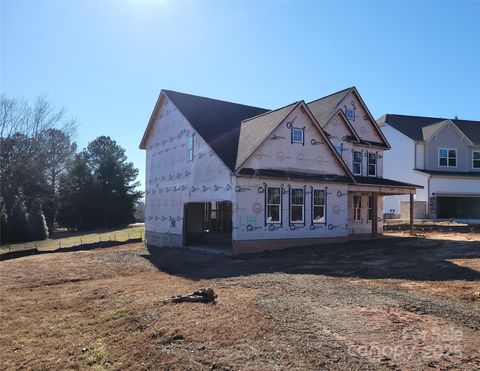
<point x="279" y="207"/>
<point x="293" y="135"/>
<point x="302" y="205"/>
<point x="354" y="208"/>
<point x="368" y="164"/>
<point x="475" y="151"/>
<point x="353" y="162"/>
<point x="317" y="205"/>
<point x="193" y="148"/>
<point x="448" y="149"/>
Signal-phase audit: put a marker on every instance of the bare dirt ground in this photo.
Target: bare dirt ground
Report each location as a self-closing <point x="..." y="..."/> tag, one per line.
<point x="393" y="303"/>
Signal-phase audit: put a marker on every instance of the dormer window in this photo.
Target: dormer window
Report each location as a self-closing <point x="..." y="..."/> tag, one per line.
<point x="297" y="135"/>
<point x="447" y="157"/>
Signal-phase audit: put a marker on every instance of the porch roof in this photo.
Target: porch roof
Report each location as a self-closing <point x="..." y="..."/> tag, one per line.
<point x="368" y="180"/>
<point x="288" y="174"/>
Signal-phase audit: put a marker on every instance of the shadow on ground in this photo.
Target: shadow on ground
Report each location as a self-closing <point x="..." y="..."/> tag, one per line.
<point x="411" y="258"/>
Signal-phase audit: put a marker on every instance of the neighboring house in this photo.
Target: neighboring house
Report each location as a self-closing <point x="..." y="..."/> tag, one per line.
<point x="441" y="154"/>
<point x="220" y="173"/>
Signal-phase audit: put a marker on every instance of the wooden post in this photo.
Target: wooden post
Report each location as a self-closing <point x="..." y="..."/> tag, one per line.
<point x="411" y="214"/>
<point x="374" y="214"/>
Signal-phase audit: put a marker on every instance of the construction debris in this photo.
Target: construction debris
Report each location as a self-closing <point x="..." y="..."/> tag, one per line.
<point x="206" y="295"/>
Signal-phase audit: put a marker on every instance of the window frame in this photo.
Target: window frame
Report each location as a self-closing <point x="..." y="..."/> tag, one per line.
<point x="298" y="130"/>
<point x="448" y="157"/>
<point x="356" y="162"/>
<point x="368" y="163"/>
<point x="314" y="205"/>
<point x="473" y="159"/>
<point x="297" y="205"/>
<point x="357" y="208"/>
<point x="190" y="148"/>
<point x="267" y="204"/>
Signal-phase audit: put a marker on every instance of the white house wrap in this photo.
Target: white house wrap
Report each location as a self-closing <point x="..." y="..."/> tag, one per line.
<point x="224" y="174"/>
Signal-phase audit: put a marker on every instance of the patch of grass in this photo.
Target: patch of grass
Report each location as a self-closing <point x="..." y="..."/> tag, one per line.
<point x="69" y="238"/>
<point x="118" y="314"/>
<point x="97" y="356"/>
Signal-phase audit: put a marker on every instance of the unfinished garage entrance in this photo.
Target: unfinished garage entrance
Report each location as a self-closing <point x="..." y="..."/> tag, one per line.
<point x="458" y="207"/>
<point x="208" y="223"/>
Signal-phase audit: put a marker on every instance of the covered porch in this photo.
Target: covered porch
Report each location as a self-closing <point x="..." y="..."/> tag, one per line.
<point x="365" y="204"/>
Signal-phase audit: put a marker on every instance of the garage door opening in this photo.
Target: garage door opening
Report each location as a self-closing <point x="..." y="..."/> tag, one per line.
<point x="208" y="224"/>
<point x="458" y="207"/>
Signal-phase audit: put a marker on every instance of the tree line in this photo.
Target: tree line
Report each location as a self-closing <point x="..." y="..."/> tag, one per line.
<point x="45" y="182"/>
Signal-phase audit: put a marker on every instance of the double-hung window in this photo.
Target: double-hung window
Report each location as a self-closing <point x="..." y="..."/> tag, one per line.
<point x="190" y="148"/>
<point x="447" y="157"/>
<point x="476" y="159"/>
<point x="297" y="204"/>
<point x="318" y="206"/>
<point x="274" y="211"/>
<point x="297" y="135"/>
<point x="357" y="208"/>
<point x="357" y="162"/>
<point x="372" y="164"/>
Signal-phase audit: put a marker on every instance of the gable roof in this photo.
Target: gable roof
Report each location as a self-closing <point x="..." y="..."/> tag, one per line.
<point x="346" y="121"/>
<point x="216" y="121"/>
<point x="322" y="110"/>
<point x="412" y="126"/>
<point x="267" y="123"/>
<point x="254" y="131"/>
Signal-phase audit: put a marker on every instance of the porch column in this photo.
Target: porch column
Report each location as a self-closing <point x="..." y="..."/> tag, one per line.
<point x="374" y="214"/>
<point x="411" y="214"/>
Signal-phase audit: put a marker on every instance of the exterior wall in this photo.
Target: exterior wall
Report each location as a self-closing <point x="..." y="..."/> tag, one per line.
<point x="172" y="180"/>
<point x="419" y="155"/>
<point x="448" y="137"/>
<point x="338" y="129"/>
<point x="282" y="154"/>
<point x="399" y="164"/>
<point x="362" y="124"/>
<point x="249" y="209"/>
<point x="363" y="226"/>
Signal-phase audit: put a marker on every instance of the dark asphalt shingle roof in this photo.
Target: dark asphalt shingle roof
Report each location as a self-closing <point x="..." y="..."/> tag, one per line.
<point x="384" y="182"/>
<point x="412" y="126"/>
<point x="323" y="108"/>
<point x="217" y="121"/>
<point x="288" y="174"/>
<point x="255" y="130"/>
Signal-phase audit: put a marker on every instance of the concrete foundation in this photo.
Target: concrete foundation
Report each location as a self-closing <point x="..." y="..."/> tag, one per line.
<point x="253" y="246"/>
<point x="163" y="239"/>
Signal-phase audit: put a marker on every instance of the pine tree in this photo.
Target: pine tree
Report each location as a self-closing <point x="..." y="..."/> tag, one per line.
<point x="20" y="228"/>
<point x="5" y="230"/>
<point x="36" y="219"/>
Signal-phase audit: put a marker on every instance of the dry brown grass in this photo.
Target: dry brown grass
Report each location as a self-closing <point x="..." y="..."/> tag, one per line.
<point x="104" y="309"/>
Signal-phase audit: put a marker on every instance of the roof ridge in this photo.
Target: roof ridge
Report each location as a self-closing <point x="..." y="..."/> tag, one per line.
<point x="166" y="91"/>
<point x="329" y="95"/>
<point x="268" y="112"/>
<point x="420" y="117"/>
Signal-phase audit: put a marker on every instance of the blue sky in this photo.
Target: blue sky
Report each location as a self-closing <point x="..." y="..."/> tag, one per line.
<point x="106" y="62"/>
